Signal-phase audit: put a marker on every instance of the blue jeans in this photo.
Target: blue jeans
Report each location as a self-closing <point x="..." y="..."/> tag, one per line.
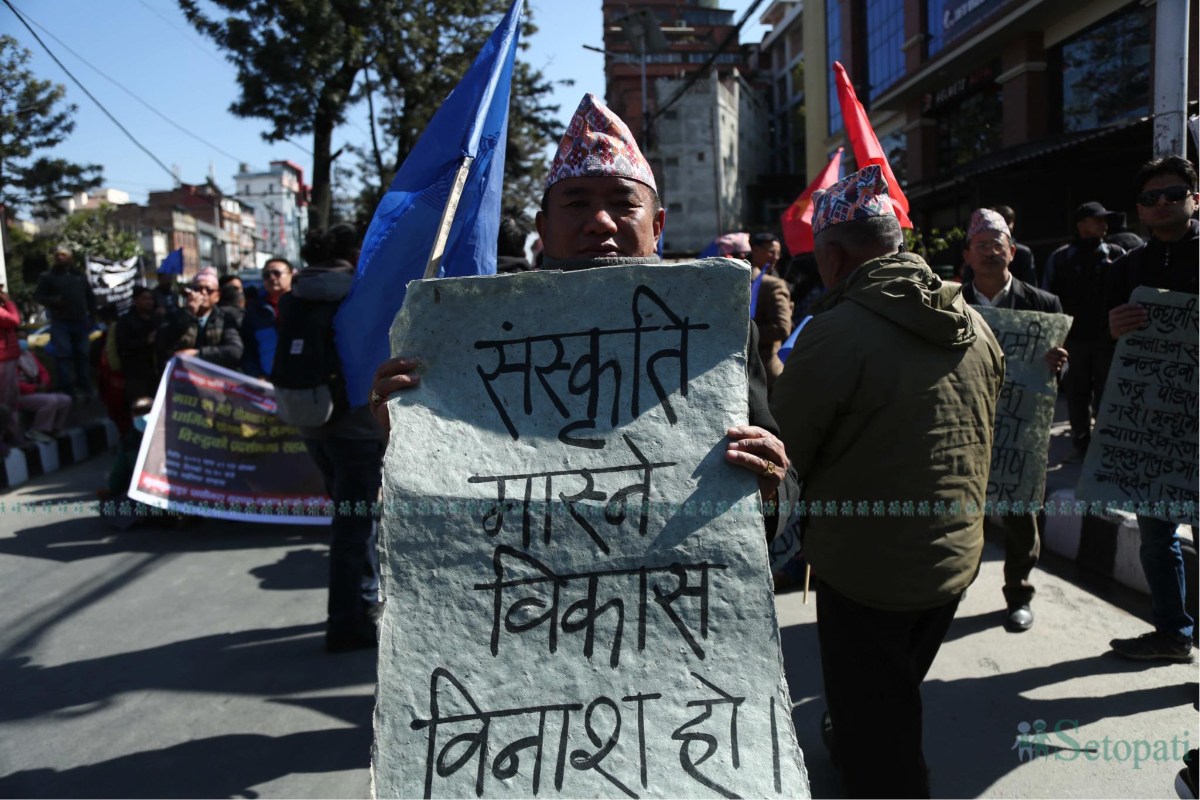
<point x="353" y="469"/>
<point x="71" y="345"/>
<point x="1162" y="561"/>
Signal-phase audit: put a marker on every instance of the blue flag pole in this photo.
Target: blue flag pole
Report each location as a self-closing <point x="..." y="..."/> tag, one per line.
<point x="440" y="216"/>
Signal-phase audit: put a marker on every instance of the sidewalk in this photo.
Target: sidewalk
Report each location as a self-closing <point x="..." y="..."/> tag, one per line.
<point x="89" y="433"/>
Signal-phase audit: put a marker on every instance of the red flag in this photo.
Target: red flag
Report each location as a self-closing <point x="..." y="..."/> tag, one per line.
<point x="797" y="220"/>
<point x="865" y="143"/>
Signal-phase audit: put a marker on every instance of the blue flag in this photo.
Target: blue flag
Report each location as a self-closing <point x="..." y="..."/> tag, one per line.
<point x="173" y="263"/>
<point x="755" y="285"/>
<point x="785" y="349"/>
<point x="472" y="123"/>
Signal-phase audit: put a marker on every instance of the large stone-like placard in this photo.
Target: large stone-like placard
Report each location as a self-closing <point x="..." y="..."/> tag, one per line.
<point x="577" y="595"/>
<point x="1142" y="457"/>
<point x="1021" y="436"/>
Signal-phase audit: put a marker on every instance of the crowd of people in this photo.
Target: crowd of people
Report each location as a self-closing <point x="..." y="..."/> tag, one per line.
<point x="891" y="392"/>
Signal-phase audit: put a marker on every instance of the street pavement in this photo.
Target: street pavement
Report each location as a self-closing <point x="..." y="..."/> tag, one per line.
<point x="188" y="662"/>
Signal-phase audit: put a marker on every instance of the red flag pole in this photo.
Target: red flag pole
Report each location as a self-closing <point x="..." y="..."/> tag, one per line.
<point x="865" y="143"/>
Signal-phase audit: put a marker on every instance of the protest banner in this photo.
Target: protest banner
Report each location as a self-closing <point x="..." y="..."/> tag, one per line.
<point x="214" y="447"/>
<point x="113" y="282"/>
<point x="1025" y="409"/>
<point x="577" y="595"/>
<point x="1142" y="457"/>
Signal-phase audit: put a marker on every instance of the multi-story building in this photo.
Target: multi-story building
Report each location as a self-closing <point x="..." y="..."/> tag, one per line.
<point x="709" y="152"/>
<point x="161" y="229"/>
<point x="1038" y="104"/>
<point x="780" y="77"/>
<point x="704" y="134"/>
<point x="279" y="198"/>
<point x="226" y="241"/>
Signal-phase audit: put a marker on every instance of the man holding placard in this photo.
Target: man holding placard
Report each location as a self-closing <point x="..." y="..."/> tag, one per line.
<point x="1166" y="204"/>
<point x="989" y="251"/>
<point x="601" y="208"/>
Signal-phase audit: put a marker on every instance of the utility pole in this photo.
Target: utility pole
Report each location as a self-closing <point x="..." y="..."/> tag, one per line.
<point x="1170" y="77"/>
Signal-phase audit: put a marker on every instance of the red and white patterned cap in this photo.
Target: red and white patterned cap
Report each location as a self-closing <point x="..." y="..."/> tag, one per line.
<point x="598" y="144"/>
<point x="858" y="196"/>
<point x="984" y="219"/>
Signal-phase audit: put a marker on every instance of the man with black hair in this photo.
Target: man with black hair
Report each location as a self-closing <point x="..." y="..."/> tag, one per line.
<point x="262" y="316"/>
<point x="346" y="444"/>
<point x="68" y="299"/>
<point x="773" y="308"/>
<point x="232" y="298"/>
<point x="1076" y="273"/>
<point x="1166" y="205"/>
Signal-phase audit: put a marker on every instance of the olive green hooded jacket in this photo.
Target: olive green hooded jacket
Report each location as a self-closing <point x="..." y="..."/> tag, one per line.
<point x="886" y="408"/>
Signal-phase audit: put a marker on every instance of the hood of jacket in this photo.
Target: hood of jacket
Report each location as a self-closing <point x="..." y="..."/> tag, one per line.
<point x="904" y="290"/>
<point x="328" y="282"/>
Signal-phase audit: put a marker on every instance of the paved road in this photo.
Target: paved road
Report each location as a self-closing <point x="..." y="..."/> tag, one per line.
<point x="189" y="663"/>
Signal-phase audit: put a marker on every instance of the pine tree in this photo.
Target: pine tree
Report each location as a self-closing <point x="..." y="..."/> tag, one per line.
<point x="34" y="118"/>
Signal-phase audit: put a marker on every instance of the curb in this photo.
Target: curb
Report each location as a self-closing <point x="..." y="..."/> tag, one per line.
<point x="1107" y="544"/>
<point x="74" y="445"/>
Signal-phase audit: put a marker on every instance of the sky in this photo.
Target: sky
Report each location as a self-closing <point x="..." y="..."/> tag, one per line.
<point x="148" y="48"/>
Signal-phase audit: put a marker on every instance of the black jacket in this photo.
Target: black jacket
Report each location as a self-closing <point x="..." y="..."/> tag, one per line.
<point x="1021" y="297"/>
<point x="221" y="343"/>
<point x="139" y="361"/>
<point x="1078" y="274"/>
<point x="1158" y="265"/>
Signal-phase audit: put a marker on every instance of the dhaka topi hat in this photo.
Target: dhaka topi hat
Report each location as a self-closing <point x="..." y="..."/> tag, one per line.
<point x="859" y="196"/>
<point x="984" y="219"/>
<point x="598" y="144"/>
<point x="733" y="244"/>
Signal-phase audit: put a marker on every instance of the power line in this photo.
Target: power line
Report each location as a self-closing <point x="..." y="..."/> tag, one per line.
<point x="130" y="92"/>
<point x="182" y="32"/>
<point x="83" y="88"/>
<point x="695" y="76"/>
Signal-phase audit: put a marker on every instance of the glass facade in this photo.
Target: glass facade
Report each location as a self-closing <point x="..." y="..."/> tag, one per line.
<point x="935" y="11"/>
<point x="833" y="44"/>
<point x="972" y="129"/>
<point x="885" y="38"/>
<point x="1106" y="72"/>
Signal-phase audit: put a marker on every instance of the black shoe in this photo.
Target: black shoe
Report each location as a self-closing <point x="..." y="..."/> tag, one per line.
<point x="1019" y="618"/>
<point x="1154" y="646"/>
<point x="1185" y="781"/>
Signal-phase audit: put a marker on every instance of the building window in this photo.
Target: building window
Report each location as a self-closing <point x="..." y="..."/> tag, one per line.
<point x="672" y="161"/>
<point x="935" y="12"/>
<point x="675" y="208"/>
<point x="833" y="45"/>
<point x="885" y="37"/>
<point x="1106" y="72"/>
<point x="971" y="129"/>
<point x="895" y="147"/>
<point x="700" y="156"/>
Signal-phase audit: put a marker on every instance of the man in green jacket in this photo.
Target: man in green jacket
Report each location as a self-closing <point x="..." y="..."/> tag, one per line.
<point x="886" y="409"/>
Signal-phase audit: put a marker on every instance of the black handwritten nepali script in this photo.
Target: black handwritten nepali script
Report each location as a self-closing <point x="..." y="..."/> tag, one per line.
<point x="581" y="364"/>
<point x="578" y="600"/>
<point x="1025" y="409"/>
<point x="1143" y="453"/>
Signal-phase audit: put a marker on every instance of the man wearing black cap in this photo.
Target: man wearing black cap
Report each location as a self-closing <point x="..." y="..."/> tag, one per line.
<point x="1077" y="273"/>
